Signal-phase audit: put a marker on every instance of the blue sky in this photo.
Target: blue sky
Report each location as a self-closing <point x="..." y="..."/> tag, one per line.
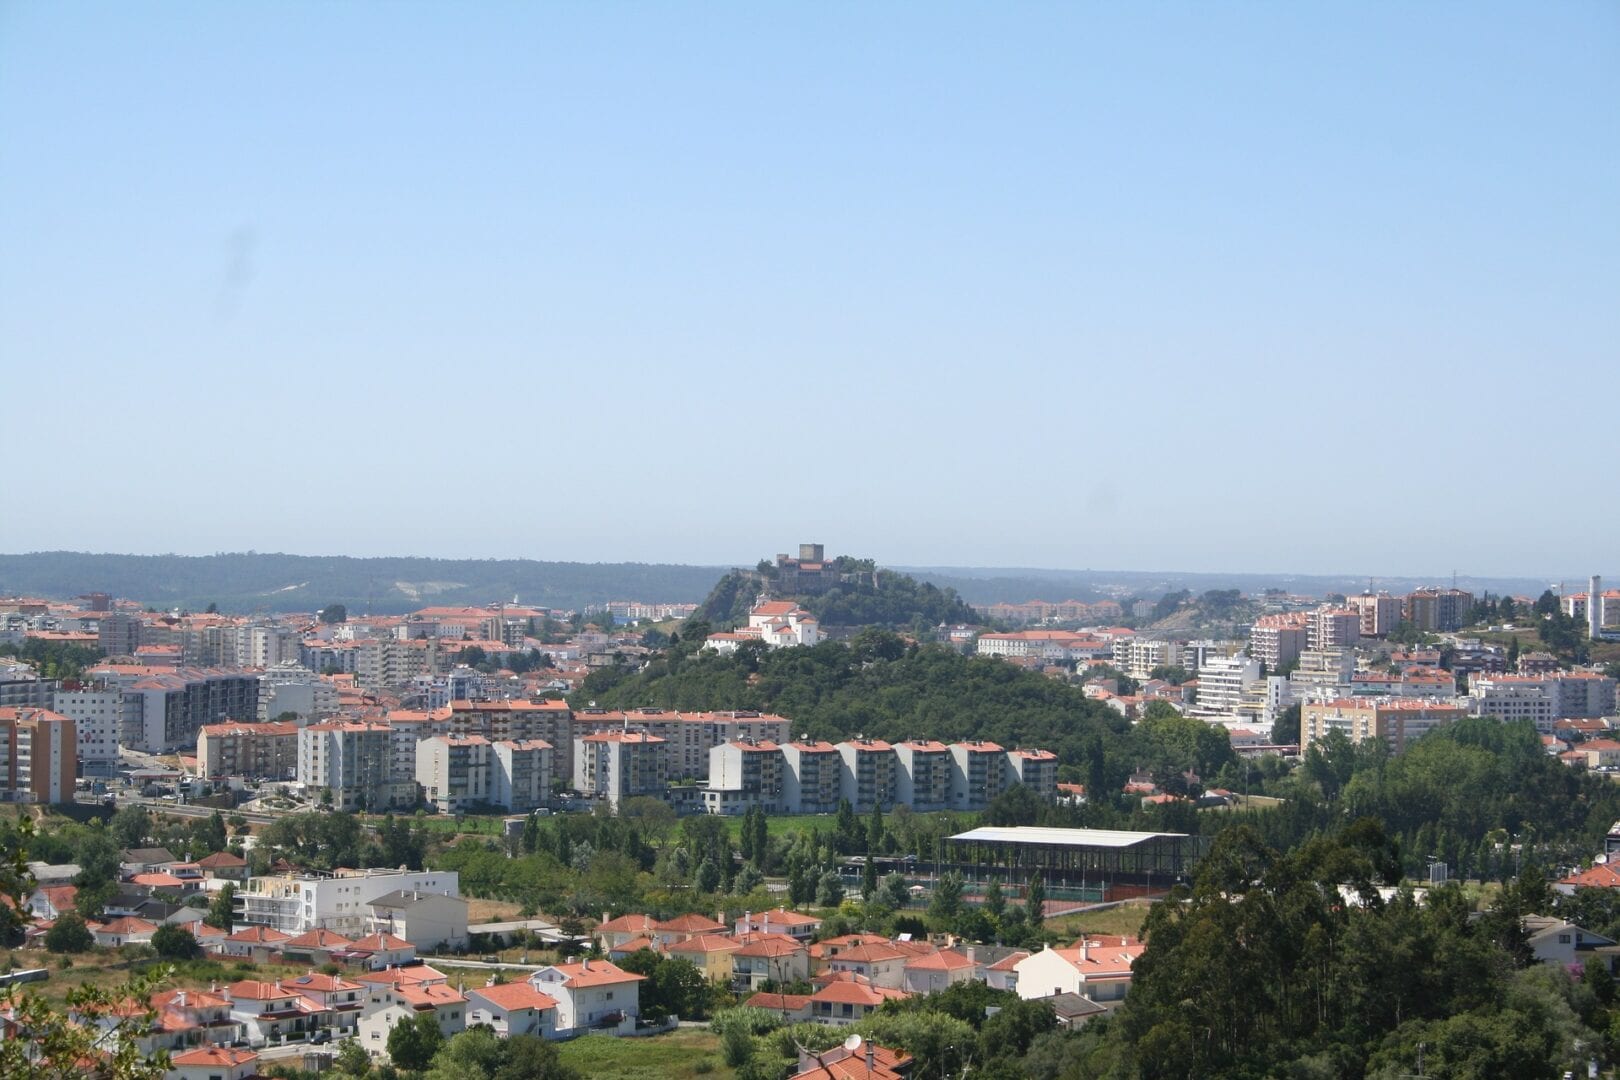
<point x="1308" y="288"/>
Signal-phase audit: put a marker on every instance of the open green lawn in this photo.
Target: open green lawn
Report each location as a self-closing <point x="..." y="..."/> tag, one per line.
<point x="688" y="1052"/>
<point x="1125" y="919"/>
<point x="788" y="824"/>
<point x="108" y="968"/>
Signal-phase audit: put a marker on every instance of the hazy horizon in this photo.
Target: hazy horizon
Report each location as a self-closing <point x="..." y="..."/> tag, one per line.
<point x="1578" y="579"/>
<point x="1246" y="285"/>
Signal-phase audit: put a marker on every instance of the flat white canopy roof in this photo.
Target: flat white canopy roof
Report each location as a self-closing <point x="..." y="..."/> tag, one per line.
<point x="1097" y="838"/>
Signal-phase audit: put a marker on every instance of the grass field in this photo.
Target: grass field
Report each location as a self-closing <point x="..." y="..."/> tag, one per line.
<point x="788" y="824"/>
<point x="1125" y="919"/>
<point x="679" y="1055"/>
<point x="106" y="968"/>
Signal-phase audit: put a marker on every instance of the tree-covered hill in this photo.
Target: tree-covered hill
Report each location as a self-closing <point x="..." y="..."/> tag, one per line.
<point x="875" y="685"/>
<point x="867" y="596"/>
<point x="255" y="581"/>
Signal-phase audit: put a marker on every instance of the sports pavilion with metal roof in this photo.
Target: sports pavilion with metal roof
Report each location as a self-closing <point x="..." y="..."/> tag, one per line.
<point x="1100" y="864"/>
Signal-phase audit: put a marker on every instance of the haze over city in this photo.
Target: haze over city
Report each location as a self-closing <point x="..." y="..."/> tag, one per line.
<point x="1321" y="289"/>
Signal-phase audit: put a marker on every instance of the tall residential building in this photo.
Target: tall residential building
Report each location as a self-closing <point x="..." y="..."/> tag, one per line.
<point x="519" y="720"/>
<point x="38" y="756"/>
<point x="454" y="772"/>
<point x="868" y="774"/>
<point x="100" y="713"/>
<point x="690" y="735"/>
<point x="1276" y="640"/>
<point x="292" y="688"/>
<point x="743" y="775"/>
<point x="1435" y="610"/>
<point x="20" y="684"/>
<point x="1137" y="657"/>
<point x="1222" y="683"/>
<point x="813" y="775"/>
<point x="1380" y="612"/>
<point x="354" y="762"/>
<point x="1332" y="628"/>
<point x="523" y="773"/>
<point x="266" y="751"/>
<point x="118" y="634"/>
<point x="174" y="703"/>
<point x="615" y="765"/>
<point x="1395" y="720"/>
<point x="978" y="774"/>
<point x="924" y="774"/>
<point x="1035" y="769"/>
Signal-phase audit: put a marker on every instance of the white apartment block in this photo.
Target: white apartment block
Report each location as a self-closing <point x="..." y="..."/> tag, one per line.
<point x="292" y="688"/>
<point x="1223" y="683"/>
<point x="340" y="902"/>
<point x="523" y="773"/>
<point x="616" y="765"/>
<point x="460" y="772"/>
<point x="1278" y="639"/>
<point x="806" y="777"/>
<point x="99" y="714"/>
<point x="355" y="762"/>
<point x="924" y="775"/>
<point x="1137" y="657"/>
<point x="978" y="774"/>
<point x="812" y="779"/>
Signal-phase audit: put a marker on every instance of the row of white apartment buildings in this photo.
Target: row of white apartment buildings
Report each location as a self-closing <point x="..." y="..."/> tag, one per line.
<point x="808" y="777"/>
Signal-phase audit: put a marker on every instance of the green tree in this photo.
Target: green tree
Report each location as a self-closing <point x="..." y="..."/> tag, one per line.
<point x="829" y="889"/>
<point x="334" y="613"/>
<point x="352" y="1059"/>
<point x="96" y="1025"/>
<point x="220" y="914"/>
<point x="946" y="903"/>
<point x="874" y="829"/>
<point x="413" y="1042"/>
<point x="130" y="826"/>
<point x="995" y="901"/>
<point x="69" y="935"/>
<point x="175" y="943"/>
<point x="1035" y="902"/>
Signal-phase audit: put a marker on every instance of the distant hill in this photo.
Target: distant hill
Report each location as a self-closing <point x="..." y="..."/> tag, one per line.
<point x="254" y="581"/>
<point x="863" y="596"/>
<point x="1017" y="585"/>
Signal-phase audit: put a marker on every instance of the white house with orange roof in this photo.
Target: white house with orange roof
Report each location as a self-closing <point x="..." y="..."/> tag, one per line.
<point x="592" y="995"/>
<point x="612" y="933"/>
<point x="515" y="1008"/>
<point x="213" y="1063"/>
<point x="768" y="958"/>
<point x="378" y="951"/>
<point x="1098" y="968"/>
<point x="1003" y="974"/>
<point x="779" y="921"/>
<point x="331" y="1000"/>
<point x="181" y="1018"/>
<point x="681" y="927"/>
<point x="268" y="1011"/>
<point x="256" y="943"/>
<point x="939" y="970"/>
<point x="843" y="1002"/>
<point x="883" y="963"/>
<point x="392" y="1002"/>
<point x="125" y="930"/>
